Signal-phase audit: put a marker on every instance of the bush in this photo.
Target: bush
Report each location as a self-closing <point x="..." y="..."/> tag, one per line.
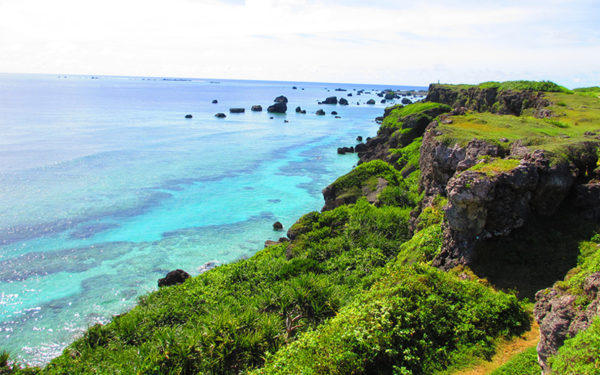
<point x="581" y="354"/>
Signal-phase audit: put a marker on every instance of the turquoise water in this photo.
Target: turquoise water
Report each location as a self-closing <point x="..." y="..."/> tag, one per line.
<point x="105" y="187"/>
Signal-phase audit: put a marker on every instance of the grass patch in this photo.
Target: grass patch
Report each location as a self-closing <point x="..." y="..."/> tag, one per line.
<point x="581" y="354"/>
<point x="495" y="166"/>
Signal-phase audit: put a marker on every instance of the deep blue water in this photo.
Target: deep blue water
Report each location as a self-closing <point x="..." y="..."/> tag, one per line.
<point x="105" y="187"/>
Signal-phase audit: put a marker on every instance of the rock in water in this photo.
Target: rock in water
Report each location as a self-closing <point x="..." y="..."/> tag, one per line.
<point x="331" y="100"/>
<point x="371" y="101"/>
<point x="188" y="116"/>
<point x="298" y="110"/>
<point x="215" y="101"/>
<point x="173" y="278"/>
<point x="220" y="115"/>
<point x="320" y="112"/>
<point x="343" y="101"/>
<point x="281" y="99"/>
<point x="277" y="226"/>
<point x="279" y="107"/>
<point x="406" y="101"/>
<point x="237" y="110"/>
<point x="256" y="108"/>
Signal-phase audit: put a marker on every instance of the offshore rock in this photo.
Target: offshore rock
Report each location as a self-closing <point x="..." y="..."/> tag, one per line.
<point x="281" y="99"/>
<point x="343" y="101"/>
<point x="237" y="110"/>
<point x="256" y="108"/>
<point x="320" y="112"/>
<point x="279" y="107"/>
<point x="330" y="100"/>
<point x="277" y="226"/>
<point x="173" y="278"/>
<point x="220" y="115"/>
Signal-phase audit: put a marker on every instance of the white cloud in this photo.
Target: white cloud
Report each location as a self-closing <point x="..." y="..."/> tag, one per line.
<point x="303" y="39"/>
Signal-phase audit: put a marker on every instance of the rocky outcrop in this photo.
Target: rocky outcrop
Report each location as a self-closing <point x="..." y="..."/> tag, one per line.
<point x="413" y="126"/>
<point x="487" y="99"/>
<point x="281" y="99"/>
<point x="335" y="198"/>
<point x="560" y="316"/>
<point x="343" y="101"/>
<point x="277" y="226"/>
<point x="256" y="108"/>
<point x="173" y="278"/>
<point x="493" y="202"/>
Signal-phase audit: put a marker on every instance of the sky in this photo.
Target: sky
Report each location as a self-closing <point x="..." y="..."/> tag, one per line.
<point x="351" y="41"/>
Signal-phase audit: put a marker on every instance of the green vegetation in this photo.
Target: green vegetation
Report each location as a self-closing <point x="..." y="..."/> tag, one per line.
<point x="543" y="86"/>
<point x="581" y="354"/>
<point x="416" y="113"/>
<point x="495" y="166"/>
<point x="524" y="363"/>
<point x="411" y="322"/>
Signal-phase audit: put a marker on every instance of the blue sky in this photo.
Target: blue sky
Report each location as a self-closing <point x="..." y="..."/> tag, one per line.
<point x="372" y="41"/>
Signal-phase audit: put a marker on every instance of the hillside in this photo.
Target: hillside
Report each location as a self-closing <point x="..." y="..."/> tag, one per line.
<point x="425" y="258"/>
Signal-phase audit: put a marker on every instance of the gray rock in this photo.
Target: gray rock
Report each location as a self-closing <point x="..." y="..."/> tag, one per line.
<point x="279" y="107"/>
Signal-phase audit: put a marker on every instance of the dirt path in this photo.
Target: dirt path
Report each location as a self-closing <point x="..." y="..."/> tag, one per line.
<point x="506" y="351"/>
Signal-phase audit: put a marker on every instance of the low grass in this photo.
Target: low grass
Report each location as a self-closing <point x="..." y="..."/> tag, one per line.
<point x="495" y="166"/>
<point x="572" y="117"/>
<point x="543" y="86"/>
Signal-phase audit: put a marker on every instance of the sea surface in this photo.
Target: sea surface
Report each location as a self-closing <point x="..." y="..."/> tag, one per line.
<point x="105" y="187"/>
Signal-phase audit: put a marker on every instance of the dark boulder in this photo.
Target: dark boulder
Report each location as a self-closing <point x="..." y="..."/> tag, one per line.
<point x="382" y="101"/>
<point x="343" y="101"/>
<point x="350" y="94"/>
<point x="359" y="138"/>
<point x="256" y="108"/>
<point x="320" y="112"/>
<point x="215" y="101"/>
<point x="298" y="110"/>
<point x="334" y="113"/>
<point x="277" y="226"/>
<point x="294" y="88"/>
<point x="331" y="100"/>
<point x="281" y="99"/>
<point x="406" y="101"/>
<point x="279" y="107"/>
<point x="188" y="116"/>
<point x="338" y="116"/>
<point x="390" y="96"/>
<point x="237" y="110"/>
<point x="371" y="101"/>
<point x="220" y="115"/>
<point x="303" y="111"/>
<point x="173" y="278"/>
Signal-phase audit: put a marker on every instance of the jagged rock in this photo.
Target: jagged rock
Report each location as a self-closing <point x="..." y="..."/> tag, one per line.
<point x="220" y="115"/>
<point x="487" y="99"/>
<point x="330" y="100"/>
<point x="320" y="112"/>
<point x="344" y="150"/>
<point x="207" y="267"/>
<point x="361" y="147"/>
<point x="256" y="108"/>
<point x="560" y="317"/>
<point x="371" y="101"/>
<point x="343" y="101"/>
<point x="279" y="107"/>
<point x="281" y="99"/>
<point x="174" y="277"/>
<point x="188" y="116"/>
<point x="237" y="110"/>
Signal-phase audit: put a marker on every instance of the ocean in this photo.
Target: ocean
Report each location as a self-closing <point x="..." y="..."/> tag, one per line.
<point x="105" y="187"/>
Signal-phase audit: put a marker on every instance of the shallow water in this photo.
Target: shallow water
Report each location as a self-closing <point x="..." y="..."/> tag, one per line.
<point x="105" y="187"/>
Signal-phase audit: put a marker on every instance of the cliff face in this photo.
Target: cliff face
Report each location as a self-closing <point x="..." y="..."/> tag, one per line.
<point x="488" y="99"/>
